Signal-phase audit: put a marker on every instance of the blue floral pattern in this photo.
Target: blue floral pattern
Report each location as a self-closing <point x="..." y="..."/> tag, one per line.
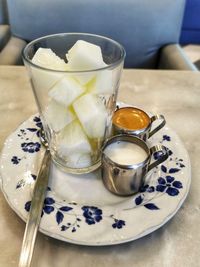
<point x="38" y="122"/>
<point x="118" y="224"/>
<point x="167" y="184"/>
<point x="15" y="160"/>
<point x="166" y="138"/>
<point x="31" y="147"/>
<point x="71" y="216"/>
<point x="26" y="181"/>
<point x="92" y="214"/>
<point x="28" y="146"/>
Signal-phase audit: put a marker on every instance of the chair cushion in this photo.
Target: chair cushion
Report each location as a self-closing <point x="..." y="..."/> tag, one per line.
<point x="4" y="35"/>
<point x="3" y="12"/>
<point x="11" y="53"/>
<point x="173" y="57"/>
<point x="141" y="26"/>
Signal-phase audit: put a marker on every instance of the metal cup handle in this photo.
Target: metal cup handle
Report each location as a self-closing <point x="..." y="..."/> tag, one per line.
<point x="161" y="125"/>
<point x="162" y="158"/>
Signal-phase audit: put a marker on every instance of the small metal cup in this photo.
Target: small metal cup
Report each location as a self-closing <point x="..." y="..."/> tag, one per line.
<point x="143" y="133"/>
<point x="126" y="180"/>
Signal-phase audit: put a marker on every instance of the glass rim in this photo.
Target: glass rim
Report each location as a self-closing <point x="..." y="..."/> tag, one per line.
<point x="116" y="63"/>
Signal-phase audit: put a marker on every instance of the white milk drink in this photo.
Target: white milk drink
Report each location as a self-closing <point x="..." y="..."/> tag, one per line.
<point x="125" y="153"/>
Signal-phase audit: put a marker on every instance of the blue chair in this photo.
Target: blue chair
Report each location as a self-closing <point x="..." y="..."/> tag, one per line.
<point x="191" y="23"/>
<point x="4" y="28"/>
<point x="149" y="30"/>
<point x="10" y="46"/>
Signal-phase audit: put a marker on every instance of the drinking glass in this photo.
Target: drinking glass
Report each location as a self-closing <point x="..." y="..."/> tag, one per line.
<point x="76" y="106"/>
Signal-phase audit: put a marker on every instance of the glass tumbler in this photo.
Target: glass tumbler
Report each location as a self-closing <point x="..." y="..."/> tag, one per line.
<point x="75" y="102"/>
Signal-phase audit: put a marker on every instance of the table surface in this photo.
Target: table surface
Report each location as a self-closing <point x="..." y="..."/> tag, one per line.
<point x="176" y="94"/>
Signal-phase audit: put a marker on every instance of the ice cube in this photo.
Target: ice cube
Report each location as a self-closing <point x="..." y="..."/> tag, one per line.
<point x="77" y="160"/>
<point x="102" y="83"/>
<point x="45" y="57"/>
<point x="66" y="91"/>
<point x="58" y="116"/>
<point x="43" y="80"/>
<point x="83" y="78"/>
<point x="85" y="56"/>
<point x="92" y="115"/>
<point x="72" y="140"/>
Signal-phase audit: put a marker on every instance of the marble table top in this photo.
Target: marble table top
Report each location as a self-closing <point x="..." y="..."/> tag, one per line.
<point x="176" y="94"/>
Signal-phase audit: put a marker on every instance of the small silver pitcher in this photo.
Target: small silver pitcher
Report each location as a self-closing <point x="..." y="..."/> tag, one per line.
<point x="126" y="180"/>
<point x="143" y="133"/>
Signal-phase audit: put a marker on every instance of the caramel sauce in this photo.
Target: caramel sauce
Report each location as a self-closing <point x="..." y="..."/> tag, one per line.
<point x="131" y="118"/>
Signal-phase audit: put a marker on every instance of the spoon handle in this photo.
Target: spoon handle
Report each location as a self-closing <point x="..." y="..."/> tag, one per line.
<point x="34" y="216"/>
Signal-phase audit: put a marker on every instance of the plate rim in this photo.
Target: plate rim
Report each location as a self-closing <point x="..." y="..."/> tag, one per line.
<point x="111" y="242"/>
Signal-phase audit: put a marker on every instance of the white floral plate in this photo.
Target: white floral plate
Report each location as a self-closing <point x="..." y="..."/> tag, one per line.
<point x="78" y="209"/>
